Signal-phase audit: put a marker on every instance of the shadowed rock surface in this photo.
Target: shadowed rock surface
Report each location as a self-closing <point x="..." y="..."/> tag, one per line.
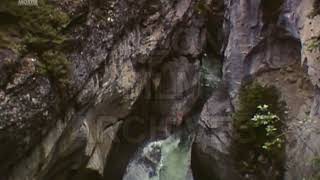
<point x="85" y="85"/>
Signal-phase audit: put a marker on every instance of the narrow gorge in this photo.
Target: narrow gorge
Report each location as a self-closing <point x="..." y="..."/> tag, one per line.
<point x="160" y="90"/>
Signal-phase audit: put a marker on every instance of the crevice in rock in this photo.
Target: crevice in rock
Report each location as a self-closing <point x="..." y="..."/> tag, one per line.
<point x="202" y="165"/>
<point x="87" y="174"/>
<point x="271" y="10"/>
<point x="123" y="148"/>
<point x="132" y="134"/>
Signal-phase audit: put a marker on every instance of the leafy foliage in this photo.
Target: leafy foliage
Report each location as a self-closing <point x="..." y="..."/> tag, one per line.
<point x="258" y="144"/>
<point x="268" y="121"/>
<point x="42" y="31"/>
<point x="44" y="21"/>
<point x="313" y="44"/>
<point x="54" y="64"/>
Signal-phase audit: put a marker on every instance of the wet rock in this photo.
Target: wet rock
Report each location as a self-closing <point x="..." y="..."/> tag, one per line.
<point x="49" y="132"/>
<point x="213" y="140"/>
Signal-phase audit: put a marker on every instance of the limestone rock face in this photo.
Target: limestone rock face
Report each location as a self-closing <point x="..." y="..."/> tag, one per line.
<point x="266" y="42"/>
<point x="119" y="48"/>
<point x="122" y="72"/>
<point x="211" y="146"/>
<point x="304" y="147"/>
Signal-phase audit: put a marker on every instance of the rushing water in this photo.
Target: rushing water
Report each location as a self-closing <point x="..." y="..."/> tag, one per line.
<point x="167" y="159"/>
<point x="170" y="159"/>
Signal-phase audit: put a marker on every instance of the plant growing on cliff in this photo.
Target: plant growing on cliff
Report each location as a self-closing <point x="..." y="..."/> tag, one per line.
<point x="41" y="29"/>
<point x="268" y="122"/>
<point x="258" y="144"/>
<point x="55" y="65"/>
<point x="201" y="7"/>
<point x="313" y="44"/>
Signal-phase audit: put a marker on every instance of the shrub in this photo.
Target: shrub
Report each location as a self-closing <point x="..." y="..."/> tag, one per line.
<point x="268" y="123"/>
<point x="54" y="65"/>
<point x="42" y="31"/>
<point x="313" y="44"/>
<point x="258" y="144"/>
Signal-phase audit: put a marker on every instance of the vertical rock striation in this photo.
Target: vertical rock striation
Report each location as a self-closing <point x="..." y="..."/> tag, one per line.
<point x="118" y="48"/>
<point x="91" y="76"/>
<point x="266" y="42"/>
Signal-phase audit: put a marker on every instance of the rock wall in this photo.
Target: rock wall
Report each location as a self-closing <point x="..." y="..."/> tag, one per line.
<point x="266" y="42"/>
<point x="121" y="51"/>
<point x="130" y="71"/>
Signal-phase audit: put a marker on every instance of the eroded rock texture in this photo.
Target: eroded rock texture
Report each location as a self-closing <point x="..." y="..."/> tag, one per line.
<point x="122" y="51"/>
<point x="266" y="42"/>
<point x="134" y="71"/>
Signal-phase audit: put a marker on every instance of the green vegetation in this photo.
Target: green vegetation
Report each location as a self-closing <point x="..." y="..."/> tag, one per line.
<point x="7" y="43"/>
<point x="36" y="30"/>
<point x="268" y="121"/>
<point x="202" y="8"/>
<point x="44" y="21"/>
<point x="313" y="44"/>
<point x="55" y="66"/>
<point x="258" y="131"/>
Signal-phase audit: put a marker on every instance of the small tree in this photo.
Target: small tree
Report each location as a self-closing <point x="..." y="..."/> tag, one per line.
<point x="268" y="123"/>
<point x="258" y="146"/>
